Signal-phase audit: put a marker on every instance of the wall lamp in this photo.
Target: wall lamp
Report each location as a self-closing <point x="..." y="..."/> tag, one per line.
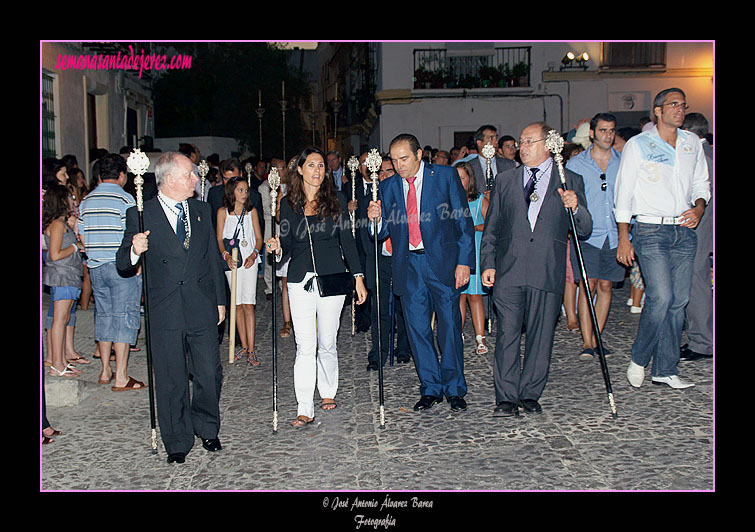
<point x="567" y="63"/>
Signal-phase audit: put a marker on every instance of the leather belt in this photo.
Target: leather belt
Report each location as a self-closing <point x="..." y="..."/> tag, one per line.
<point x="417" y="251"/>
<point x="659" y="220"/>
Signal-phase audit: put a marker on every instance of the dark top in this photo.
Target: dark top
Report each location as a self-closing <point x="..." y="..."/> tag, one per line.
<point x="331" y="240"/>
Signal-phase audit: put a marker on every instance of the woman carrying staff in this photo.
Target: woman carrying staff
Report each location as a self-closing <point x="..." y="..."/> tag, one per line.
<point x="473" y="291"/>
<point x="238" y="221"/>
<point x="314" y="209"/>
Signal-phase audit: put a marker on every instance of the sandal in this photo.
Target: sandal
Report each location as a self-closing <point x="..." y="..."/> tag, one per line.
<point x="132" y="384"/>
<point x="328" y="404"/>
<point x="481" y="347"/>
<point x="79" y="360"/>
<point x="251" y="357"/>
<point x="286" y="330"/>
<point x="301" y="421"/>
<point x="46" y="440"/>
<point x="241" y="353"/>
<point x="67" y="372"/>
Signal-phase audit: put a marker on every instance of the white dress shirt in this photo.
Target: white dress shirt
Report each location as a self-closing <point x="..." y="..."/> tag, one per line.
<point x="171" y="213"/>
<point x="657" y="179"/>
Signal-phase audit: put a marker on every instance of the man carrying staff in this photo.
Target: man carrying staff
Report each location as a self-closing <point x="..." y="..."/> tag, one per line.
<point x="523" y="257"/>
<point x="186" y="295"/>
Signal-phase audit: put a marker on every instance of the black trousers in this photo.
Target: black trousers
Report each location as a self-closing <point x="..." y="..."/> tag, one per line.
<point x="177" y="355"/>
<point x="402" y="341"/>
<point x="514" y="379"/>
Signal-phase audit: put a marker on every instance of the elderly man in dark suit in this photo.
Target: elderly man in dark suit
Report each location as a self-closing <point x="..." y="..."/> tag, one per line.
<point x="186" y="294"/>
<point x="523" y="257"/>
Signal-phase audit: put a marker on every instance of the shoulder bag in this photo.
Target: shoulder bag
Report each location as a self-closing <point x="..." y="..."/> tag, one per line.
<point x="332" y="284"/>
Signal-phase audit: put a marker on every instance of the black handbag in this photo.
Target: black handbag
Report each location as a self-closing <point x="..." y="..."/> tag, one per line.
<point x="233" y="243"/>
<point x="332" y="284"/>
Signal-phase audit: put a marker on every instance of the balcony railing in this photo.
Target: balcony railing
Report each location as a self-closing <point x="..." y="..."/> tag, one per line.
<point x="505" y="67"/>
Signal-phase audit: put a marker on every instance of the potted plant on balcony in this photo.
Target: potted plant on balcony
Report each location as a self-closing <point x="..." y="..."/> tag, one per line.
<point x="422" y="78"/>
<point x="520" y="73"/>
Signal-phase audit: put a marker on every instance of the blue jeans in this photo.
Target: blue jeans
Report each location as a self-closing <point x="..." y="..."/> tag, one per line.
<point x="116" y="301"/>
<point x="666" y="254"/>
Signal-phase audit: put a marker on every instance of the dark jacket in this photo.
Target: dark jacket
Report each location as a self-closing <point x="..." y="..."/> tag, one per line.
<point x="331" y="239"/>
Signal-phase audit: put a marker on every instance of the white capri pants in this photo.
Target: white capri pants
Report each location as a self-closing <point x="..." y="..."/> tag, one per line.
<point x="316" y="320"/>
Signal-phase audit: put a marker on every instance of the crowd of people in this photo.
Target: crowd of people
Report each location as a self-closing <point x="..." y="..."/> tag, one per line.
<point x="639" y="201"/>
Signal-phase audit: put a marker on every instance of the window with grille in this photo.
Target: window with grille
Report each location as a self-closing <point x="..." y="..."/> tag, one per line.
<point x="48" y="118"/>
<point x="633" y="56"/>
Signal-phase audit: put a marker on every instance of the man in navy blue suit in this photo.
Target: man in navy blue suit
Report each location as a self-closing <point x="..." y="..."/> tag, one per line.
<point x="424" y="210"/>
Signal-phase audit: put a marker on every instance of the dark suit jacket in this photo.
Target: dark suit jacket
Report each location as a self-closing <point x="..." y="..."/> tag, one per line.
<point x="520" y="256"/>
<point x="331" y="240"/>
<point x="480" y="170"/>
<point x="185" y="288"/>
<point x="444" y="220"/>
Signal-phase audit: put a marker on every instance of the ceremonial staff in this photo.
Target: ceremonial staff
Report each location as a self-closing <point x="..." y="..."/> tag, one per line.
<point x="555" y="143"/>
<point x="138" y="163"/>
<point x="248" y="169"/>
<point x="203" y="168"/>
<point x="232" y="319"/>
<point x="353" y="164"/>
<point x="488" y="151"/>
<point x="274" y="180"/>
<point x="374" y="161"/>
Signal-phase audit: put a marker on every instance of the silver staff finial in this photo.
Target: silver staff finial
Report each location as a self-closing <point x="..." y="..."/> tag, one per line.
<point x="274" y="180"/>
<point x="488" y="151"/>
<point x="374" y="160"/>
<point x="138" y="164"/>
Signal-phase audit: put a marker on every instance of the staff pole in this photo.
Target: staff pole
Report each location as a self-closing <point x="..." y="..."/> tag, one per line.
<point x="488" y="151"/>
<point x="374" y="161"/>
<point x="138" y="163"/>
<point x="274" y="180"/>
<point x="555" y="143"/>
<point x="353" y="164"/>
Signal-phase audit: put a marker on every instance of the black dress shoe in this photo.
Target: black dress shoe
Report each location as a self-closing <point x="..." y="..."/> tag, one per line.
<point x="372" y="366"/>
<point x="506" y="409"/>
<point x="687" y="355"/>
<point x="178" y="458"/>
<point x="403" y="359"/>
<point x="530" y="406"/>
<point x="458" y="404"/>
<point x="211" y="444"/>
<point x="426" y="402"/>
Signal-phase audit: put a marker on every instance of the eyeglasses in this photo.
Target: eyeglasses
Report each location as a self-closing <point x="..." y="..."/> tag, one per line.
<point x="527" y="142"/>
<point x="676" y="105"/>
<point x="603" y="185"/>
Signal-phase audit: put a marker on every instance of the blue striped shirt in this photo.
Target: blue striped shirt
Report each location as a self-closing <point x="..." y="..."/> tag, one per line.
<point x="102" y="222"/>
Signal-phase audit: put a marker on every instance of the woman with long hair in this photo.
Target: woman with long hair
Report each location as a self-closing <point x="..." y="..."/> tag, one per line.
<point x="315" y="230"/>
<point x="62" y="273"/>
<point x="472" y="293"/>
<point x="239" y="221"/>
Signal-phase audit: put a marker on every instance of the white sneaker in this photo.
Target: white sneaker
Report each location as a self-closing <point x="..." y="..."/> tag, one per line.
<point x="674" y="381"/>
<point x="630" y="302"/>
<point x="635" y="310"/>
<point x="635" y="374"/>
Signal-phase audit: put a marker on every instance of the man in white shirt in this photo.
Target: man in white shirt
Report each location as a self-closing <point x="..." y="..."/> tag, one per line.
<point x="663" y="182"/>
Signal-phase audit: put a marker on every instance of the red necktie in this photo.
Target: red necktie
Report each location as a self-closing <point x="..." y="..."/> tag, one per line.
<point x="415" y="237"/>
<point x="388" y="246"/>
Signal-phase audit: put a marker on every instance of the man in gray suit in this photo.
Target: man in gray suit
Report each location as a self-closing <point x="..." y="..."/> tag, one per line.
<point x="523" y="257"/>
<point x="487" y="134"/>
<point x="700" y="306"/>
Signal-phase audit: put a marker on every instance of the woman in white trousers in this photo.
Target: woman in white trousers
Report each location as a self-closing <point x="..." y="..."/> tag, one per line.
<point x="315" y="231"/>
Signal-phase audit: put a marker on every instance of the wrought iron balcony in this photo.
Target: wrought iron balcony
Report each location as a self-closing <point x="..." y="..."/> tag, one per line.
<point x="505" y="67"/>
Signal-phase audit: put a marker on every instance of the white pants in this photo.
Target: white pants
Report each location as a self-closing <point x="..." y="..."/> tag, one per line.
<point x="316" y="320"/>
